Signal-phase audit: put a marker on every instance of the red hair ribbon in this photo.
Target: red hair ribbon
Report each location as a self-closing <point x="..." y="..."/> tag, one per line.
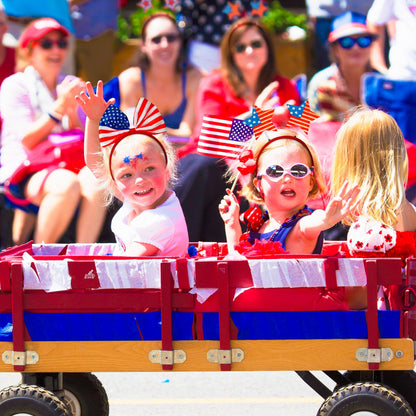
<point x="246" y="163"/>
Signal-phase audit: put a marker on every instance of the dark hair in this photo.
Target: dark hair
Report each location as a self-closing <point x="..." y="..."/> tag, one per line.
<point x="141" y="60"/>
<point x="229" y="68"/>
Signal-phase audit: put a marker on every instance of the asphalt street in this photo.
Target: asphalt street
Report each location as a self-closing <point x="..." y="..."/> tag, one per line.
<point x="203" y="394"/>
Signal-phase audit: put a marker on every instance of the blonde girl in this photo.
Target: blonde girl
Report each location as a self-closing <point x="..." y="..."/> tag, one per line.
<point x="286" y="174"/>
<point x="136" y="163"/>
<point x="370" y="152"/>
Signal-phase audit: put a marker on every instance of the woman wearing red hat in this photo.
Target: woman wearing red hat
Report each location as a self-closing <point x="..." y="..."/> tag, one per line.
<point x="336" y="89"/>
<point x="35" y="105"/>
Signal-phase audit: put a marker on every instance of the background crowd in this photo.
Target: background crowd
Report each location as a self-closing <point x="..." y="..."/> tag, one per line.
<point x="193" y="59"/>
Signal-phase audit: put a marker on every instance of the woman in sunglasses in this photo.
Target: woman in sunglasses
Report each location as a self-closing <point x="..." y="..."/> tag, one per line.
<point x="286" y="174"/>
<point x="247" y="76"/>
<point x="336" y="89"/>
<point x="38" y="104"/>
<point x="160" y="73"/>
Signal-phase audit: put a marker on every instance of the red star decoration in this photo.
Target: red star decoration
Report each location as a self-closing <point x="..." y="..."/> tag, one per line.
<point x="171" y="4"/>
<point x="145" y="4"/>
<point x="260" y="10"/>
<point x="235" y="10"/>
<point x="265" y="117"/>
<point x="305" y="120"/>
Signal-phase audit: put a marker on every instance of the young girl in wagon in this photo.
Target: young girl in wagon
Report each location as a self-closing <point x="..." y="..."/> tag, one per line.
<point x="286" y="173"/>
<point x="370" y="151"/>
<point x="136" y="164"/>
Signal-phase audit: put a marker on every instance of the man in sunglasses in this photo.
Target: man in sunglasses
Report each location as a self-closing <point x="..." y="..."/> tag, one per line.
<point x="336" y="89"/>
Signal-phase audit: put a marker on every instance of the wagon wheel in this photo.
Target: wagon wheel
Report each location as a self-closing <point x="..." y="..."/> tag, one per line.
<point x="84" y="395"/>
<point x="365" y="399"/>
<point x="30" y="400"/>
<point x="402" y="381"/>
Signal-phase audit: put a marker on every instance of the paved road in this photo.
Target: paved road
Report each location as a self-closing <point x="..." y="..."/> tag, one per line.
<point x="203" y="394"/>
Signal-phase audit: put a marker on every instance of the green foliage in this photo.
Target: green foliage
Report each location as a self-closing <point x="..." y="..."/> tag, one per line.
<point x="130" y="26"/>
<point x="278" y="19"/>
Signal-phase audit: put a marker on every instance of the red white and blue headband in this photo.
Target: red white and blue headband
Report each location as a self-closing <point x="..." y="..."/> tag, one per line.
<point x="114" y="126"/>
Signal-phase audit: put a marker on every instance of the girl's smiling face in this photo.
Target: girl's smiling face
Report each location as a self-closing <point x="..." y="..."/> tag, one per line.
<point x="287" y="195"/>
<point x="140" y="172"/>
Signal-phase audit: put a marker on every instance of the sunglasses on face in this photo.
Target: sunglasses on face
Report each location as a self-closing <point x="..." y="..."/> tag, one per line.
<point x="348" y="42"/>
<point x="254" y="44"/>
<point x="48" y="43"/>
<point x="297" y="171"/>
<point x="170" y="38"/>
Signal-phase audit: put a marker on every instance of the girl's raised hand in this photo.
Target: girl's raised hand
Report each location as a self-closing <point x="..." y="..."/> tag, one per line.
<point x="229" y="208"/>
<point x="93" y="103"/>
<point x="342" y="204"/>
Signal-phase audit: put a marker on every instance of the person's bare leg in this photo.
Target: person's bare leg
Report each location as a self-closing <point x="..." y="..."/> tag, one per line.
<point x="59" y="199"/>
<point x="92" y="209"/>
<point x="22" y="227"/>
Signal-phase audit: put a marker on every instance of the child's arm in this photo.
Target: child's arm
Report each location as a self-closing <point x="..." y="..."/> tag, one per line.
<point x="230" y="214"/>
<point x="141" y="249"/>
<point x="338" y="208"/>
<point x="94" y="107"/>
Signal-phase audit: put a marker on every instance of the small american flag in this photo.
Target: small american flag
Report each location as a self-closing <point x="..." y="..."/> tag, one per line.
<point x="301" y="116"/>
<point x="223" y="137"/>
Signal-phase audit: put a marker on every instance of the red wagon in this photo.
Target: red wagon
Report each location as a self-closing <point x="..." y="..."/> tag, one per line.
<point x="69" y="310"/>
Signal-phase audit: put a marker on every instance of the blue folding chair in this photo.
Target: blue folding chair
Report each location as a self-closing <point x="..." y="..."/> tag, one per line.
<point x="395" y="97"/>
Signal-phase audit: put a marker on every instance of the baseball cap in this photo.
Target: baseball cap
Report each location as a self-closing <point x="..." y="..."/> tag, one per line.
<point x="349" y="24"/>
<point x="39" y="28"/>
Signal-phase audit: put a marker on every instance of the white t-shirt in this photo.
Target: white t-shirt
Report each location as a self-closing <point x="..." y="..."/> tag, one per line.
<point x="402" y="53"/>
<point x="163" y="227"/>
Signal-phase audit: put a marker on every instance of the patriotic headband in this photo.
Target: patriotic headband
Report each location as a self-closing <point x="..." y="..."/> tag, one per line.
<point x="286" y="134"/>
<point x="114" y="126"/>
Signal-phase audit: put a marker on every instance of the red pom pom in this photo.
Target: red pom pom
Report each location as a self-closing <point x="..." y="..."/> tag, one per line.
<point x="260" y="248"/>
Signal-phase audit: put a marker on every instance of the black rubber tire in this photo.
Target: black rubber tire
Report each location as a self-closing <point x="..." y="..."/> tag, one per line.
<point x="87" y="390"/>
<point x="370" y="397"/>
<point x="403" y="381"/>
<point x="30" y="400"/>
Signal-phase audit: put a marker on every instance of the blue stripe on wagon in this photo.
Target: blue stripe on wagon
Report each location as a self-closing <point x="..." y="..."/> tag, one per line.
<point x="144" y="326"/>
<point x="303" y="325"/>
<point x="250" y="325"/>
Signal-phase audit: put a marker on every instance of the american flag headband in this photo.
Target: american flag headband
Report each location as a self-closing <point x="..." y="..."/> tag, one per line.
<point x="115" y="126"/>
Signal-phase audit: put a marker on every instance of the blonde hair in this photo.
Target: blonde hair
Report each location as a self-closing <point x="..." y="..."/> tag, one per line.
<point x="270" y="140"/>
<point x="370" y="152"/>
<point x="166" y="151"/>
